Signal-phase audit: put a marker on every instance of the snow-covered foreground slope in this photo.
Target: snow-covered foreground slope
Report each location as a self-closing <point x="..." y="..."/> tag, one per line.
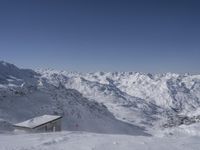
<point x="91" y="141"/>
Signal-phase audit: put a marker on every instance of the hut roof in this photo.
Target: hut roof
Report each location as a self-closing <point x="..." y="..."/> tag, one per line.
<point x="37" y="121"/>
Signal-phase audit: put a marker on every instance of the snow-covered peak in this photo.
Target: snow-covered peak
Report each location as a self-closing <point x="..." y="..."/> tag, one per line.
<point x="13" y="76"/>
<point x="169" y="92"/>
<point x="131" y="97"/>
<point x="4" y="63"/>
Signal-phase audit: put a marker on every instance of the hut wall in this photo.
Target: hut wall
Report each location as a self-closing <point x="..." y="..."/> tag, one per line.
<point x="49" y="127"/>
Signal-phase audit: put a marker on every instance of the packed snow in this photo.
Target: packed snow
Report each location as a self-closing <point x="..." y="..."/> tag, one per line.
<point x="92" y="141"/>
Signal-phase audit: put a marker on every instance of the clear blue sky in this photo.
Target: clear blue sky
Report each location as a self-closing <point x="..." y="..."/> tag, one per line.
<point x="107" y="35"/>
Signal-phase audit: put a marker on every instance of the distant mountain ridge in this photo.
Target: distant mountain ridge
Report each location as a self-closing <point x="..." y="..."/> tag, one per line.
<point x="100" y="101"/>
<point x="25" y="94"/>
<point x="136" y="97"/>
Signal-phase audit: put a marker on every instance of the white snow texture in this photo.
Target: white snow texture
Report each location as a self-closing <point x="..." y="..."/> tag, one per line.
<point x="127" y="108"/>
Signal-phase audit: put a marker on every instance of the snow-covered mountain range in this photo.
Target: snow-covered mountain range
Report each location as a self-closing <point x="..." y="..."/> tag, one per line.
<point x="116" y="102"/>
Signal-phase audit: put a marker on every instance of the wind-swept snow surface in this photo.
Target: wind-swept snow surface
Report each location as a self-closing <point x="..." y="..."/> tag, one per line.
<point x="91" y="141"/>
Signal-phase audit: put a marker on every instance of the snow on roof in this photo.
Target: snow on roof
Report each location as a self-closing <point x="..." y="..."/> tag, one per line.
<point x="37" y="121"/>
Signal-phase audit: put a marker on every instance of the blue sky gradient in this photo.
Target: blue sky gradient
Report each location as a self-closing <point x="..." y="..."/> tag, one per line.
<point x="107" y="35"/>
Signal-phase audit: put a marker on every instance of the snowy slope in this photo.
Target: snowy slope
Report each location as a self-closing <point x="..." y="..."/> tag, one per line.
<point x="137" y="98"/>
<point x="35" y="95"/>
<point x="102" y="101"/>
<point x="125" y="107"/>
<point x="91" y="141"/>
